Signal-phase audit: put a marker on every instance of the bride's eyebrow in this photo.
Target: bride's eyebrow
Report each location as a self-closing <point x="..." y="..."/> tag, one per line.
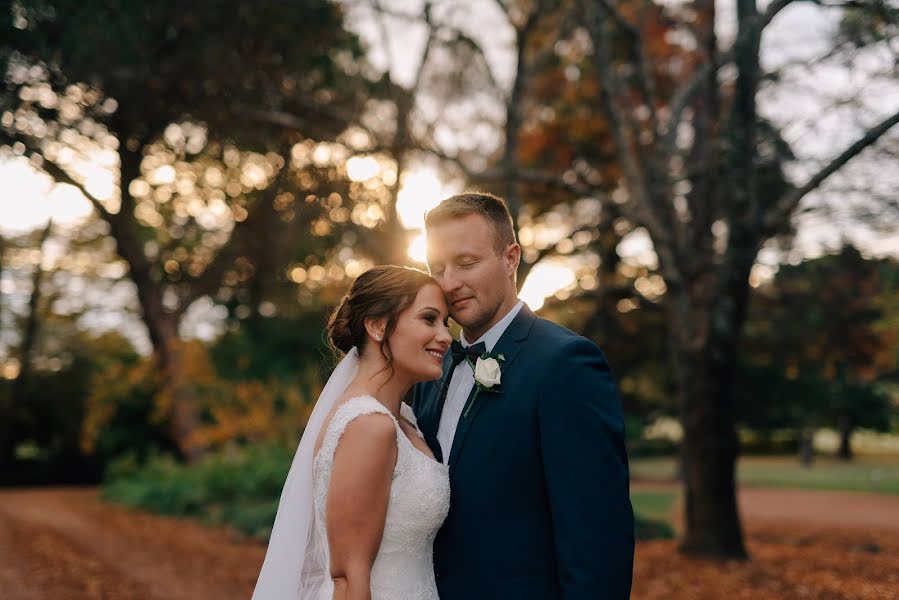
<point x="436" y="312"/>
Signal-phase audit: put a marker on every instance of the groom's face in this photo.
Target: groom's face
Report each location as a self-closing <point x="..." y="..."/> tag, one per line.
<point x="476" y="276"/>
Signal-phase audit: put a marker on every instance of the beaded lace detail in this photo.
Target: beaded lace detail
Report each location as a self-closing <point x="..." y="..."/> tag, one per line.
<point x="419" y="502"/>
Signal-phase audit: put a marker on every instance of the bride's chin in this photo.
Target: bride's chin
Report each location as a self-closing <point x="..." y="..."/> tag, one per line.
<point x="433" y="374"/>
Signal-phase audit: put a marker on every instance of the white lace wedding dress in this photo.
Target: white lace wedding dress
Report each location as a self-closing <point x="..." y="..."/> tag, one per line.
<point x="419" y="501"/>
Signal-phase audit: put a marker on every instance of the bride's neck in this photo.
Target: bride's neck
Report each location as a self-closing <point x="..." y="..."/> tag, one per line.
<point x="385" y="385"/>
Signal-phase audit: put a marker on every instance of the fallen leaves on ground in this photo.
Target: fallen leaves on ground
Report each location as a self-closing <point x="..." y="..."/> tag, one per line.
<point x="788" y="561"/>
<point x="62" y="544"/>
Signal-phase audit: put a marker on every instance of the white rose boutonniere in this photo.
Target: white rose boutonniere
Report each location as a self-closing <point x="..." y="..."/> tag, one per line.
<point x="487" y="376"/>
<point x="487" y="372"/>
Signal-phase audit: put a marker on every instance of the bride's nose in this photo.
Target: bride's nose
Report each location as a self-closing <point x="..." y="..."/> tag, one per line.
<point x="444" y="338"/>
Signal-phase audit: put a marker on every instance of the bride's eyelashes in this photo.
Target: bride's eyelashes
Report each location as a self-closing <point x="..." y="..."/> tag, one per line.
<point x="432" y="319"/>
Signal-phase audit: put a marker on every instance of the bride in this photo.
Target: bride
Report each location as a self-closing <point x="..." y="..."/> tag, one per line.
<point x="364" y="497"/>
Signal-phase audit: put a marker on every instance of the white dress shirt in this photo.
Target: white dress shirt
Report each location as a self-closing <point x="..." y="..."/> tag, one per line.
<point x="463" y="380"/>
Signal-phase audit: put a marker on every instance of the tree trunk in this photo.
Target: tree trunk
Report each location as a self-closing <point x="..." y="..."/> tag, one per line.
<point x="162" y="324"/>
<point x="846" y="429"/>
<point x="177" y="391"/>
<point x="5" y="399"/>
<point x="704" y="362"/>
<point x="395" y="241"/>
<point x="163" y="329"/>
<point x="29" y="337"/>
<point x="2" y="258"/>
<point x="806" y="446"/>
<point x="29" y="333"/>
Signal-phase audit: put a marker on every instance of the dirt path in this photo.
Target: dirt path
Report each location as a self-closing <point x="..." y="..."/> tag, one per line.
<point x="838" y="510"/>
<point x="63" y="544"/>
<point x="825" y="509"/>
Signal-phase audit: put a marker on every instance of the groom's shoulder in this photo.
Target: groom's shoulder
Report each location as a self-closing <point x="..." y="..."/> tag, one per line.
<point x="551" y="336"/>
<point x="558" y="349"/>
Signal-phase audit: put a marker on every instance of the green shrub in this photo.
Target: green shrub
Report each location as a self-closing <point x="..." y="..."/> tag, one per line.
<point x="652" y="514"/>
<point x="651" y="529"/>
<point x="239" y="487"/>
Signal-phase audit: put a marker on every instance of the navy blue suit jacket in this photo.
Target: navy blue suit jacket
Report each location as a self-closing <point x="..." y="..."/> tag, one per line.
<point x="539" y="503"/>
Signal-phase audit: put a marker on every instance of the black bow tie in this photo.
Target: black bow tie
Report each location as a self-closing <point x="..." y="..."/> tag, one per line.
<point x="460" y="352"/>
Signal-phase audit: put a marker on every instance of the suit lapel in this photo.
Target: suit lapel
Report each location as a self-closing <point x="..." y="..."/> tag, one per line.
<point x="429" y="421"/>
<point x="509" y="345"/>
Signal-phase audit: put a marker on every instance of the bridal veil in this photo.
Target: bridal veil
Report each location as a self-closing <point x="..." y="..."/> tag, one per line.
<point x="295" y="566"/>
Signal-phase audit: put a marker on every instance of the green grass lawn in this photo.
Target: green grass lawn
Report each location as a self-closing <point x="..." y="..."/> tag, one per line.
<point x="652" y="513"/>
<point x="875" y="474"/>
<point x="653" y="505"/>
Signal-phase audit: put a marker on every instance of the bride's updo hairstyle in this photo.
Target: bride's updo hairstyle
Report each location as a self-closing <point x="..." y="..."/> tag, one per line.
<point x="382" y="292"/>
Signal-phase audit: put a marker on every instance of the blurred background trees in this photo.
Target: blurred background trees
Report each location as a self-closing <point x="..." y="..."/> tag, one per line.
<point x="818" y="348"/>
<point x="668" y="166"/>
<point x="192" y="206"/>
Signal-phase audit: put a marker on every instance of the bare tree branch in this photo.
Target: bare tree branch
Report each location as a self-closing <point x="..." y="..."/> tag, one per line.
<point x="577" y="188"/>
<point x="396" y="14"/>
<point x="472" y="44"/>
<point x="283" y="119"/>
<point x="610" y="89"/>
<point x="385" y="38"/>
<point x="552" y="250"/>
<point x="625" y="25"/>
<point x="645" y="206"/>
<point x="60" y="175"/>
<point x="454" y="34"/>
<point x="646" y="77"/>
<point x="679" y="102"/>
<point x="402" y="139"/>
<point x="771" y="11"/>
<point x="741" y="153"/>
<point x="426" y="53"/>
<point x="788" y="203"/>
<point x="688" y="89"/>
<point x="513" y="112"/>
<point x="806" y="63"/>
<point x="627" y="291"/>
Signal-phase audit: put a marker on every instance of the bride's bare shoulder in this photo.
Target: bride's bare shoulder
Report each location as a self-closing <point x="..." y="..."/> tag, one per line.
<point x="368" y="443"/>
<point x="357" y="416"/>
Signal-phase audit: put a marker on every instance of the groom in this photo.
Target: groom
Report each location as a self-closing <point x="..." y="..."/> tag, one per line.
<point x="539" y="503"/>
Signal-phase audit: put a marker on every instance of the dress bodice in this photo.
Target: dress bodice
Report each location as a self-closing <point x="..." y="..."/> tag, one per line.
<point x="418" y="504"/>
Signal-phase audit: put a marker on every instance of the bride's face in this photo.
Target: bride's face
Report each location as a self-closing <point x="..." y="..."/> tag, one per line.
<point x="421" y="337"/>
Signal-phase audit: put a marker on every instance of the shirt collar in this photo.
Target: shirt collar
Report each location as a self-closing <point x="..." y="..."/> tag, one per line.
<point x="494" y="333"/>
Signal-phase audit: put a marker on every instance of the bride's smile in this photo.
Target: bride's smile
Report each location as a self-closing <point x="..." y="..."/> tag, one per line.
<point x="421" y="337"/>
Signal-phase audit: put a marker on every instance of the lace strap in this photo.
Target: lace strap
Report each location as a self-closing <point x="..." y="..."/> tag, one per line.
<point x="407" y="413"/>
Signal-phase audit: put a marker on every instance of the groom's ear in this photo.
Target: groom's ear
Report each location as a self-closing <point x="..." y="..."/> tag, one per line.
<point x="511" y="258"/>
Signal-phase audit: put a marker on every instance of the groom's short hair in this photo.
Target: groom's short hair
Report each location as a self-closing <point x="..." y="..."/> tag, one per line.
<point x="492" y="208"/>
